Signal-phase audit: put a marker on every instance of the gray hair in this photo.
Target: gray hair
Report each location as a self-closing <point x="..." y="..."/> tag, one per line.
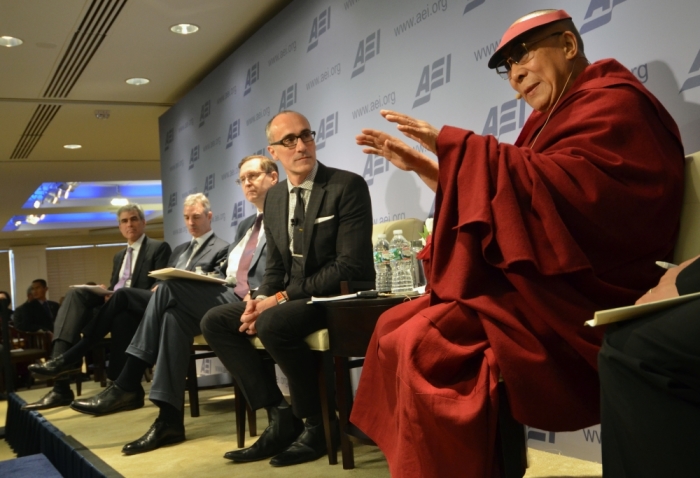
<point x="198" y="198"/>
<point x="131" y="207"/>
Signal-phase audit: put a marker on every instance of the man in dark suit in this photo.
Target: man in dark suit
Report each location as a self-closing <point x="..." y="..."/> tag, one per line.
<point x="122" y="314"/>
<point x="319" y="232"/>
<point x="39" y="313"/>
<point x="172" y="321"/>
<point x="130" y="269"/>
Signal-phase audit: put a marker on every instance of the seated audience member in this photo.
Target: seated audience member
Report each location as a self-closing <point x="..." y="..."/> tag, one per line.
<point x="130" y="269"/>
<point x="39" y="313"/>
<point x="529" y="240"/>
<point x="121" y="315"/>
<point x="172" y="318"/>
<point x="319" y="233"/>
<point x="650" y="385"/>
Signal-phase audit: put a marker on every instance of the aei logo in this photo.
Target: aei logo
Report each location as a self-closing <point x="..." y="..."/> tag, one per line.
<point x="209" y="184"/>
<point x="234" y="129"/>
<point x="194" y="156"/>
<point x="289" y="97"/>
<point x="252" y="76"/>
<point x="472" y="5"/>
<point x="238" y="213"/>
<point x="433" y="76"/>
<point x="327" y="128"/>
<point x="206" y="109"/>
<point x="496" y="124"/>
<point x="169" y="138"/>
<point x="366" y="50"/>
<point x="606" y="14"/>
<point x="320" y="25"/>
<point x="693" y="81"/>
<point x="172" y="202"/>
<point x="374" y="166"/>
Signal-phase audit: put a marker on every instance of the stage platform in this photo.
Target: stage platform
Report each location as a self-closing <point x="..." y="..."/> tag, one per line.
<point x="83" y="446"/>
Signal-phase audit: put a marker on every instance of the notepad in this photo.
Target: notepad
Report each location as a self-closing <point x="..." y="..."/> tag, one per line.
<point x="174" y="273"/>
<point x="633" y="311"/>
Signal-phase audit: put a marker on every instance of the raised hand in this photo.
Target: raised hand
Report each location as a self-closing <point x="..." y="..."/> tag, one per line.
<point x="418" y="130"/>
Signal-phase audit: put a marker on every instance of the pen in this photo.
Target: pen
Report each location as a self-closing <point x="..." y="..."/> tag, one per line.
<point x="665" y="265"/>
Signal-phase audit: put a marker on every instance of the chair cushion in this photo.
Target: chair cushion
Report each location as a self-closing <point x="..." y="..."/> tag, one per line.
<point x="316" y="341"/>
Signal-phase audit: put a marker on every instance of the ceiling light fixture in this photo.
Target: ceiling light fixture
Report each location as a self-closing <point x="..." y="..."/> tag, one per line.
<point x="184" y="28"/>
<point x="72" y="146"/>
<point x="119" y="200"/>
<point x="138" y="81"/>
<point x="9" y="42"/>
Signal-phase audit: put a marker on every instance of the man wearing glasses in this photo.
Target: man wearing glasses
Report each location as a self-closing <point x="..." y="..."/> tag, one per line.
<point x="529" y="240"/>
<point x="319" y="233"/>
<point x="172" y="319"/>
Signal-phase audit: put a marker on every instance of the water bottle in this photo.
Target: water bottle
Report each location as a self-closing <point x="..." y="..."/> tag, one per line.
<point x="382" y="264"/>
<point x="401" y="264"/>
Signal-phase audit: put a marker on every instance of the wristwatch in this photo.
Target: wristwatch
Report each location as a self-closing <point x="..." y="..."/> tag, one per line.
<point x="281" y="298"/>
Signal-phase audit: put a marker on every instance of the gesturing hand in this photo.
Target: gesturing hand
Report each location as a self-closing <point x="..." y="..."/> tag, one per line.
<point x="418" y="130"/>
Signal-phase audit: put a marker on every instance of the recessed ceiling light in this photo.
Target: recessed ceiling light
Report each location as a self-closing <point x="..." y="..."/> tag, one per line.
<point x="72" y="146"/>
<point x="10" y="41"/>
<point x="138" y="81"/>
<point x="184" y="28"/>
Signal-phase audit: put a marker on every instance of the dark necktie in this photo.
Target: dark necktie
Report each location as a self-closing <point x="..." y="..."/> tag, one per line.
<point x="126" y="275"/>
<point x="242" y="287"/>
<point x="185" y="256"/>
<point x="298" y="223"/>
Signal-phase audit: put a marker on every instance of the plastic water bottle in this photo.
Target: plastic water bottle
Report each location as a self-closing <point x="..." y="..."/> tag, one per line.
<point x="401" y="264"/>
<point x="382" y="264"/>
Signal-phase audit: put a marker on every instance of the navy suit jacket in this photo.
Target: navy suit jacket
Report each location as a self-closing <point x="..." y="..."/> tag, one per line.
<point x="257" y="264"/>
<point x="208" y="257"/>
<point x="31" y="316"/>
<point x="152" y="255"/>
<point x="337" y="236"/>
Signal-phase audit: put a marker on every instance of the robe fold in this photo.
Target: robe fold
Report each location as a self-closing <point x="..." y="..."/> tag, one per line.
<point x="529" y="241"/>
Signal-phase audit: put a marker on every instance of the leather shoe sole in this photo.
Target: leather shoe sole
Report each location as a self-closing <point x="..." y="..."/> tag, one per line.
<point x="50" y="400"/>
<point x="160" y="434"/>
<point x="41" y="372"/>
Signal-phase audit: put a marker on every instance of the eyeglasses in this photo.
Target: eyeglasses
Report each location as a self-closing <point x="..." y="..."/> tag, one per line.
<point x="519" y="55"/>
<point x="290" y="141"/>
<point x="250" y="177"/>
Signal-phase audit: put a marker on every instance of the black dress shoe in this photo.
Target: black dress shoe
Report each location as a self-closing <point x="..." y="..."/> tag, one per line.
<point x="54" y="368"/>
<point x="110" y="400"/>
<point x="160" y="434"/>
<point x="310" y="446"/>
<point x="52" y="399"/>
<point x="284" y="427"/>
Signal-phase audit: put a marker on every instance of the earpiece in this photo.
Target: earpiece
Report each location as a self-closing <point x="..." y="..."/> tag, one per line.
<point x="518" y="96"/>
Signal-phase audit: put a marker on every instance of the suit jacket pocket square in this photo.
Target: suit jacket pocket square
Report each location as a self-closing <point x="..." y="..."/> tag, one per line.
<point x="323" y="219"/>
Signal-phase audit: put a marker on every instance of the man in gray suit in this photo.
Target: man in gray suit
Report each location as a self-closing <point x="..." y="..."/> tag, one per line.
<point x="130" y="270"/>
<point x="172" y="321"/>
<point x="319" y="232"/>
<point x="122" y="314"/>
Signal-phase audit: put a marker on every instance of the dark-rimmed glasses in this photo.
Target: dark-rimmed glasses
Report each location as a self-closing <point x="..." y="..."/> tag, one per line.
<point x="519" y="55"/>
<point x="290" y="141"/>
<point x="250" y="177"/>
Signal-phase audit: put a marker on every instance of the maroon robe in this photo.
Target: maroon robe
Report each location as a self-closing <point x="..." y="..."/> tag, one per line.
<point x="528" y="242"/>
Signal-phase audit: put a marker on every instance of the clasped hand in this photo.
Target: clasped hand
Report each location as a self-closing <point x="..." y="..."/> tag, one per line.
<point x="253" y="309"/>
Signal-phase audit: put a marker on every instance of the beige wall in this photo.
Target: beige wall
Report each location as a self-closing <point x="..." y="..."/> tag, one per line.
<point x="67" y="267"/>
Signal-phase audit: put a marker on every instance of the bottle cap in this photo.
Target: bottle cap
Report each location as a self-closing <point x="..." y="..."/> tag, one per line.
<point x="381" y="236"/>
<point x="398" y="231"/>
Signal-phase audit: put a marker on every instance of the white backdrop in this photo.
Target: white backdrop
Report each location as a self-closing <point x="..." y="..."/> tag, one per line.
<point x="339" y="61"/>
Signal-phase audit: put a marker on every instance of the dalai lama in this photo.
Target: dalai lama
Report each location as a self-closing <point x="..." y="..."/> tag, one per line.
<point x="529" y="240"/>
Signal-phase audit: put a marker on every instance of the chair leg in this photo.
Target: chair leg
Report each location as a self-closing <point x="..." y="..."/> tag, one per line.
<point x="192" y="387"/>
<point x="324" y="386"/>
<point x="99" y="360"/>
<point x="79" y="383"/>
<point x="252" y="421"/>
<point x="240" y="407"/>
<point x="511" y="445"/>
<point x="344" y="397"/>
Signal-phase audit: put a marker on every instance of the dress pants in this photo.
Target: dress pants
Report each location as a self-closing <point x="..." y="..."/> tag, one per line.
<point x="650" y="395"/>
<point x="167" y="330"/>
<point x="74" y="314"/>
<point x="282" y="330"/>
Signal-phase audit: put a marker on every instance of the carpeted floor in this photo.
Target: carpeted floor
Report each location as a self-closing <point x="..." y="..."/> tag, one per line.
<point x="213" y="433"/>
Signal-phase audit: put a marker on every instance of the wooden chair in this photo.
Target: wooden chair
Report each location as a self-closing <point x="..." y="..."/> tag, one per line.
<point x="26" y="348"/>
